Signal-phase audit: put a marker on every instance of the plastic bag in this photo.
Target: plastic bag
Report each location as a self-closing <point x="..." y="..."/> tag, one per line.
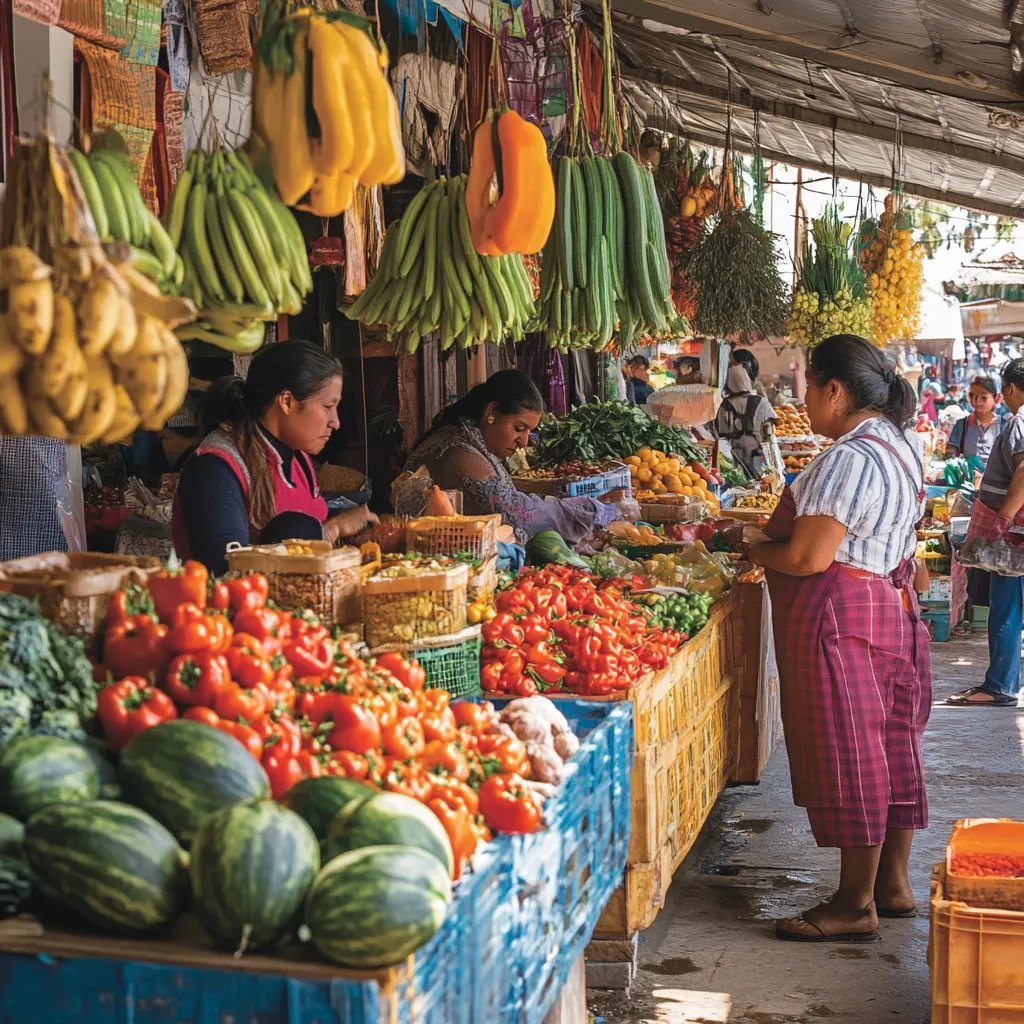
<point x="993" y="543"/>
<point x="71" y="500"/>
<point x="410" y="491"/>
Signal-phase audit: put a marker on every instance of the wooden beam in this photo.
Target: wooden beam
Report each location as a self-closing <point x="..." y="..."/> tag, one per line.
<point x="820" y="119"/>
<point x="968" y="202"/>
<point x="879" y="58"/>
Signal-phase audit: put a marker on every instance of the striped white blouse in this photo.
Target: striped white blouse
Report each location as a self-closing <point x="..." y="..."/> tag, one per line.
<point x="861" y="484"/>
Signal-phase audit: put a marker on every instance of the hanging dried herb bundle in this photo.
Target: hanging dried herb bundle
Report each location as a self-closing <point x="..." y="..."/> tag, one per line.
<point x="736" y="276"/>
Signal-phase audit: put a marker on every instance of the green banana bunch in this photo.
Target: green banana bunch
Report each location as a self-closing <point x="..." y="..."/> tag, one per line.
<point x="243" y="254"/>
<point x="120" y="215"/>
<point x="431" y="278"/>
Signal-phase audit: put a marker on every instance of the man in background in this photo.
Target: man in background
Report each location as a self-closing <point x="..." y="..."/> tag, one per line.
<point x="638" y="386"/>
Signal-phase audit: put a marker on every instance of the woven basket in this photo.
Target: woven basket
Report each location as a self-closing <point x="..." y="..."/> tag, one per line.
<point x="409" y="609"/>
<point x="452" y="535"/>
<point x="224" y="41"/>
<point x="98" y="21"/>
<point x="327" y="582"/>
<point x="46" y="12"/>
<point x="73" y="589"/>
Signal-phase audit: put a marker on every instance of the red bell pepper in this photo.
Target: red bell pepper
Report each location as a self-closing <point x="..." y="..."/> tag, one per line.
<point x="128" y="707"/>
<point x="409" y="779"/>
<point x="263" y="623"/>
<point x="234" y="703"/>
<point x="221" y="630"/>
<point x="458" y="824"/>
<point x="126" y="604"/>
<point x="247" y="592"/>
<point x="403" y="738"/>
<point x="349" y="764"/>
<point x="490" y="677"/>
<point x="191" y="631"/>
<point x="197" y="678"/>
<point x="409" y="673"/>
<point x="478" y="717"/>
<point x="218" y="596"/>
<point x="308" y="655"/>
<point x="278" y="732"/>
<point x="200" y="714"/>
<point x="353" y="725"/>
<point x="454" y="793"/>
<point x="546" y="677"/>
<point x="439" y="725"/>
<point x="536" y="628"/>
<point x="176" y="585"/>
<point x="509" y="752"/>
<point x="283" y="770"/>
<point x="245" y="735"/>
<point x="508" y="806"/>
<point x="249" y="667"/>
<point x="445" y="759"/>
<point x="135" y="647"/>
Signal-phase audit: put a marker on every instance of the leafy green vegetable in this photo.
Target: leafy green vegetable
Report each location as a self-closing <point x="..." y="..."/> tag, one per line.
<point x="46" y="682"/>
<point x="731" y="473"/>
<point x="548" y="546"/>
<point x="602" y="430"/>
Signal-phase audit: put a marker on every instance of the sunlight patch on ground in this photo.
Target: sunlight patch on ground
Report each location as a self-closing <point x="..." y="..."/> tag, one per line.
<point x="682" y="1006"/>
<point x="1020" y="731"/>
<point x="962" y="661"/>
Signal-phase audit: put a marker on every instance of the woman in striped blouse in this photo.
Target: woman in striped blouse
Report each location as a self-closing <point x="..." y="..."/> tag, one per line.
<point x="853" y="652"/>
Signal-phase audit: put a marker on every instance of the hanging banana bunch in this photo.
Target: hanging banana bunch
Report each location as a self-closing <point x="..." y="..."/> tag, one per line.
<point x="243" y="253"/>
<point x="87" y="350"/>
<point x="323" y="109"/>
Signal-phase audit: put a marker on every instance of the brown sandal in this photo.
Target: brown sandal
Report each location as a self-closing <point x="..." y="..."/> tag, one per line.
<point x="963" y="699"/>
<point x="857" y="937"/>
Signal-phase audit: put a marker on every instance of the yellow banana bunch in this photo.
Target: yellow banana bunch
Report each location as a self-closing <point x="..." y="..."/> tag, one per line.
<point x="354" y="134"/>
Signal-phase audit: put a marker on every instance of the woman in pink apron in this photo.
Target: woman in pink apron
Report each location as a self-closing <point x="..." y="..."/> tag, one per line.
<point x="252" y="479"/>
<point x="852" y="650"/>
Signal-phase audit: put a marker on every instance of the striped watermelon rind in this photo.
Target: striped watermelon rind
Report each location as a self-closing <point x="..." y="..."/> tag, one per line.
<point x="183" y="771"/>
<point x="12" y="832"/>
<point x="108" y="862"/>
<point x="372" y="907"/>
<point x="318" y="800"/>
<point x="37" y="771"/>
<point x="252" y="866"/>
<point x="110" y="787"/>
<point x="389" y="819"/>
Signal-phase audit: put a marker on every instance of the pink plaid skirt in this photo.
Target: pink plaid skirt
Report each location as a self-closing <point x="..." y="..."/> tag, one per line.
<point x="856" y="693"/>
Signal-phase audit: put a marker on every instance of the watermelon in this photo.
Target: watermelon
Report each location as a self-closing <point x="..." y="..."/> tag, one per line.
<point x="319" y="800"/>
<point x="373" y="907"/>
<point x="389" y="819"/>
<point x="110" y="788"/>
<point x="11" y="834"/>
<point x="108" y="862"/>
<point x="183" y="771"/>
<point x="36" y="771"/>
<point x="252" y="865"/>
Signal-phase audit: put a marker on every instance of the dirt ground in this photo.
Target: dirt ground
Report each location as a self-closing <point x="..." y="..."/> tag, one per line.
<point x="710" y="957"/>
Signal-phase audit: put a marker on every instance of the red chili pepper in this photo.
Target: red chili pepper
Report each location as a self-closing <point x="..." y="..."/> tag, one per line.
<point x="135" y="647"/>
<point x="128" y="707"/>
<point x="176" y="585"/>
<point x="197" y="678"/>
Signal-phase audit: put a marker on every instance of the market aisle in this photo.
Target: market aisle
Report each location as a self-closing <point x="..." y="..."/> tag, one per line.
<point x="710" y="956"/>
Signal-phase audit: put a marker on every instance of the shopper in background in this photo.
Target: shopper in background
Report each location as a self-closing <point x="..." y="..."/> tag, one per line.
<point x="931" y="391"/>
<point x="638" y="387"/>
<point x="745" y="358"/>
<point x="974" y="436"/>
<point x="740" y="418"/>
<point x="853" y="652"/>
<point x="1002" y="490"/>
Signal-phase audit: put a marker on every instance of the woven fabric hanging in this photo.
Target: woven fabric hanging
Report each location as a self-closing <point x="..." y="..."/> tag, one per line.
<point x="97" y="21"/>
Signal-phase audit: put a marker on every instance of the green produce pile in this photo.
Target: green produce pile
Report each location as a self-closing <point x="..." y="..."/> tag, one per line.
<point x="686" y="612"/>
<point x="601" y="430"/>
<point x="732" y="475"/>
<point x="46" y="682"/>
<point x="431" y="278"/>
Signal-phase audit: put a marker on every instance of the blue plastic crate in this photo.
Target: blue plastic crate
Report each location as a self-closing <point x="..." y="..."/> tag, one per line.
<point x="519" y="920"/>
<point x="600" y="483"/>
<point x="940" y="624"/>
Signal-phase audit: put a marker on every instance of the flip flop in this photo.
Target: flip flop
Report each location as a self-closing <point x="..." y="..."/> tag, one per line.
<point x="853" y="937"/>
<point x="962" y="699"/>
<point x="907" y="912"/>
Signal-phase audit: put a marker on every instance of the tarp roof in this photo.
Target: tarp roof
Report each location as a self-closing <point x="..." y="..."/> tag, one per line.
<point x="838" y="79"/>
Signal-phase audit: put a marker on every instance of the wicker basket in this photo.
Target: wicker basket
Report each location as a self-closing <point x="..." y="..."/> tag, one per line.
<point x="452" y="535"/>
<point x="452" y="663"/>
<point x="681" y="509"/>
<point x="408" y="609"/>
<point x="326" y="581"/>
<point x="74" y="588"/>
<point x="483" y="582"/>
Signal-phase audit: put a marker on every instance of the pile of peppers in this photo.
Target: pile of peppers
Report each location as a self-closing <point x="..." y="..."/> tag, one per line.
<point x="303" y="703"/>
<point x="560" y="629"/>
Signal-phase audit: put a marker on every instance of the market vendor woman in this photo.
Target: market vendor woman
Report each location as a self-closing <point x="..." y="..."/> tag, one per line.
<point x="252" y="479"/>
<point x="853" y="652"/>
<point x="467" y="448"/>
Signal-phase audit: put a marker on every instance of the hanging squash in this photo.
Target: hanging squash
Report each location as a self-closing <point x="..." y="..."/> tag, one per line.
<point x="520" y="221"/>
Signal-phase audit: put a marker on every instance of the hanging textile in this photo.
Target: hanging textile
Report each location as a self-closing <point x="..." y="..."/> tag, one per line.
<point x="424" y="84"/>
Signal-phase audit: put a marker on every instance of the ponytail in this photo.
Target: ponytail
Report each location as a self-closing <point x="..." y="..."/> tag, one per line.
<point x="868" y="376"/>
<point x="237" y="406"/>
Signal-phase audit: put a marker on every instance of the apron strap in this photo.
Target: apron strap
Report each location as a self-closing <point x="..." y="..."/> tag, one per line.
<point x="899" y="458"/>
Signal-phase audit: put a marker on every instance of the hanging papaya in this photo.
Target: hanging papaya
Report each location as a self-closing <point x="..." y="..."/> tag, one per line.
<point x="479" y="181"/>
<point x="521" y="219"/>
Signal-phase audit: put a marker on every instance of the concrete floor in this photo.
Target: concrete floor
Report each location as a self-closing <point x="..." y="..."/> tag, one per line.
<point x="710" y="956"/>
